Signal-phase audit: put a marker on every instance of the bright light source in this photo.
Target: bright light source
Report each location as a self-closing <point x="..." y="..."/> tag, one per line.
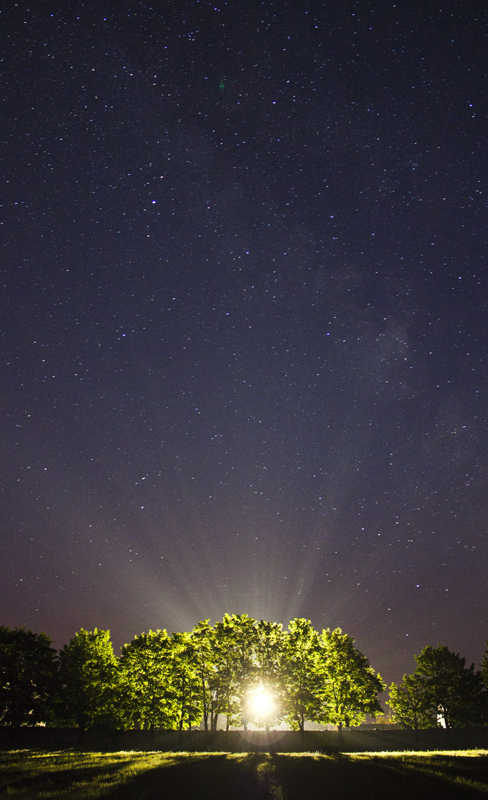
<point x="261" y="703"/>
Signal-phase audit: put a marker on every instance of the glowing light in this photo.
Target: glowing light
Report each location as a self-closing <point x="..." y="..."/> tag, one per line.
<point x="261" y="703"/>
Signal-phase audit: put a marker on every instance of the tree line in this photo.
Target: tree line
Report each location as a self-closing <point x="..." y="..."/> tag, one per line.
<point x="241" y="670"/>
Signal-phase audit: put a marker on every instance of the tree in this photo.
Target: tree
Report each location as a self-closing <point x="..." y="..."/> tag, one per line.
<point x="266" y="676"/>
<point x="454" y="691"/>
<point x="89" y="673"/>
<point x="233" y="658"/>
<point x="411" y="704"/>
<point x="300" y="673"/>
<point x="146" y="669"/>
<point x="185" y="681"/>
<point x="203" y="637"/>
<point x="28" y="668"/>
<point x="441" y="690"/>
<point x="484" y="667"/>
<point x="269" y="643"/>
<point x="243" y="669"/>
<point x="262" y="687"/>
<point x="350" y="686"/>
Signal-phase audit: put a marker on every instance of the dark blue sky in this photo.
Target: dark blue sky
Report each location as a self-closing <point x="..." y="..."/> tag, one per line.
<point x="243" y="319"/>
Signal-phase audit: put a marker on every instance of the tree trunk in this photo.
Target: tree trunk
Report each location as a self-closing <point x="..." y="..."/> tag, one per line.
<point x="205" y="709"/>
<point x="341" y="736"/>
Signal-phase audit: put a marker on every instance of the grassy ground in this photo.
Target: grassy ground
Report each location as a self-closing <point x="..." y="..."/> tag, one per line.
<point x="443" y="775"/>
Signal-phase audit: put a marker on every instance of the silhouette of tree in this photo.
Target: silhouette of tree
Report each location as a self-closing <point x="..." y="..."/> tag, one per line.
<point x="28" y="670"/>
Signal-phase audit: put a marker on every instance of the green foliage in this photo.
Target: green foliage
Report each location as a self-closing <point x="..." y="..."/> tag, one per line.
<point x="350" y="685"/>
<point x="454" y="691"/>
<point x="146" y="694"/>
<point x="411" y="704"/>
<point x="233" y="660"/>
<point x="268" y="673"/>
<point x="27" y="677"/>
<point x="269" y="651"/>
<point x="175" y="681"/>
<point x="89" y="679"/>
<point x="203" y="637"/>
<point x="441" y="690"/>
<point x="185" y="681"/>
<point x="301" y="673"/>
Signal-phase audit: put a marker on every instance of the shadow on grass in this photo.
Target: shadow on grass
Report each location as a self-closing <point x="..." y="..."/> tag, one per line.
<point x="373" y="778"/>
<point x="60" y="779"/>
<point x="450" y="770"/>
<point x="256" y="776"/>
<point x="249" y="776"/>
<point x="205" y="776"/>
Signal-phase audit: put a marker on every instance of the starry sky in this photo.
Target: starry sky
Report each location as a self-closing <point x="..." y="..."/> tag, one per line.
<point x="243" y="321"/>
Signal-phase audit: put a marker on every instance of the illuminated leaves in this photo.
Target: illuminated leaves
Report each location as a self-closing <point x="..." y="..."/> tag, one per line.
<point x="89" y="678"/>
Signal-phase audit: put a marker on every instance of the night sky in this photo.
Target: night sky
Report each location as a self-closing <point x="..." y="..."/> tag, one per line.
<point x="243" y="330"/>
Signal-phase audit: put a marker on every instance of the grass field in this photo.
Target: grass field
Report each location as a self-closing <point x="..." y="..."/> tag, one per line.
<point x="443" y="775"/>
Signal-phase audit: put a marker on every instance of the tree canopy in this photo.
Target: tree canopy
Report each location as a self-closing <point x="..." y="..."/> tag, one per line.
<point x="145" y="686"/>
<point x="411" y="704"/>
<point x="88" y="678"/>
<point x="441" y="691"/>
<point x="351" y="686"/>
<point x="239" y="669"/>
<point x="177" y="680"/>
